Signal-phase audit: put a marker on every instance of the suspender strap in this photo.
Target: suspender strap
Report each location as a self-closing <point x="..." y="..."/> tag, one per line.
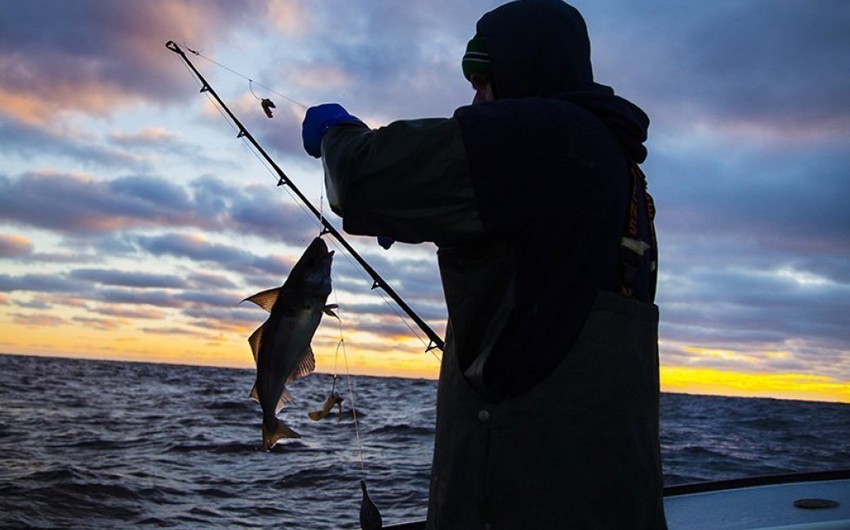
<point x="632" y="248"/>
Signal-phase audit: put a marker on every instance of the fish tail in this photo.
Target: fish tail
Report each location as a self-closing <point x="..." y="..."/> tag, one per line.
<point x="274" y="430"/>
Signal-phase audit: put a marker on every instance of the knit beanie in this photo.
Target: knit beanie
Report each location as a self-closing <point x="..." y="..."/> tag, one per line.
<point x="476" y="60"/>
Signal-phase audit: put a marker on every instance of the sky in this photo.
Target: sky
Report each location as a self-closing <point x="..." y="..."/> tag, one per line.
<point x="133" y="221"/>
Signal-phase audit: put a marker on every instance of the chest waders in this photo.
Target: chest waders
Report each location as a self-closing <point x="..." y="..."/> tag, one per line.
<point x="580" y="450"/>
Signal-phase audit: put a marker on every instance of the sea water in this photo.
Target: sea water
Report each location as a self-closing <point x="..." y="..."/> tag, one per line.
<point x="98" y="444"/>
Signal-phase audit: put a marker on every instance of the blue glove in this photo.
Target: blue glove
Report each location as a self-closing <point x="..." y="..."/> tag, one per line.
<point x="318" y="120"/>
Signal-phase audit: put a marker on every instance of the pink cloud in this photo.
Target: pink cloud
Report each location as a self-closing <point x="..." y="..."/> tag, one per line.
<point x="14" y="246"/>
<point x="37" y="320"/>
<point x="93" y="56"/>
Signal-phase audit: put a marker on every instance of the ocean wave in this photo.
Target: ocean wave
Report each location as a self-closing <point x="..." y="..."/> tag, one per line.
<point x="164" y="446"/>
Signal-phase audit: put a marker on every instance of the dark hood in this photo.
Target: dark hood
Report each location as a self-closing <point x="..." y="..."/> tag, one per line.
<point x="540" y="48"/>
<point x="627" y="121"/>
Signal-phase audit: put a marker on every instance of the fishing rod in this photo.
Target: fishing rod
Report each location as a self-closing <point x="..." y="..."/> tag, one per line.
<point x="283" y="180"/>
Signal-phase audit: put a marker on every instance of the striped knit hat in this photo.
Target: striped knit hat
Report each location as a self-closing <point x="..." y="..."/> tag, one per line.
<point x="476" y="60"/>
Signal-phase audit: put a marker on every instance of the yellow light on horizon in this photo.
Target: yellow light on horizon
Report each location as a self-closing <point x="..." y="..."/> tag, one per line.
<point x="808" y="387"/>
<point x="365" y="354"/>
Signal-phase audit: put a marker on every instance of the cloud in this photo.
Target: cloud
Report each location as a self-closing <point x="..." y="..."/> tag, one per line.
<point x="120" y="312"/>
<point x="80" y="204"/>
<point x="126" y="278"/>
<point x="173" y="330"/>
<point x="48" y="283"/>
<point x="158" y="298"/>
<point x="121" y="198"/>
<point x="93" y="56"/>
<point x="375" y="61"/>
<point x="104" y="324"/>
<point x="27" y="141"/>
<point x="198" y="248"/>
<point x="70" y="203"/>
<point x="233" y="318"/>
<point x="37" y="320"/>
<point x="208" y="280"/>
<point x="764" y="66"/>
<point x="226" y="299"/>
<point x="146" y="137"/>
<point x="14" y="246"/>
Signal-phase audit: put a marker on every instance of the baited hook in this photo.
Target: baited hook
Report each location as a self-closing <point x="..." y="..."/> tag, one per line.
<point x="267" y="105"/>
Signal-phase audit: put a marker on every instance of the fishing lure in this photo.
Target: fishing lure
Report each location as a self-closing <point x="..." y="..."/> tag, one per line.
<point x="267" y="105"/>
<point x="332" y="399"/>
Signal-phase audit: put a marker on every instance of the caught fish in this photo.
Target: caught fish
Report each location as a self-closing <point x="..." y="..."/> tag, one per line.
<point x="370" y="517"/>
<point x="332" y="399"/>
<point x="281" y="346"/>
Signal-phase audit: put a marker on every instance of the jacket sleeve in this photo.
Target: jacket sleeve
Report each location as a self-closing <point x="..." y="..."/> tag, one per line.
<point x="408" y="181"/>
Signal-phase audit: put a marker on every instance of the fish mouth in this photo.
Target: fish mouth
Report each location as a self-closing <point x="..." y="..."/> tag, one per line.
<point x="321" y="253"/>
<point x="318" y="246"/>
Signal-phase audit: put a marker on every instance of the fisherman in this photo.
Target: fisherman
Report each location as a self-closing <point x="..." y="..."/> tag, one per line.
<point x="547" y="409"/>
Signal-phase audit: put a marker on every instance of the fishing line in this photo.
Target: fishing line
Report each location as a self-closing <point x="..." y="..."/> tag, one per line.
<point x="243" y="76"/>
<point x="354" y="412"/>
<point x="341" y="346"/>
<point x="350" y="253"/>
<point x="387" y="301"/>
<point x="251" y="88"/>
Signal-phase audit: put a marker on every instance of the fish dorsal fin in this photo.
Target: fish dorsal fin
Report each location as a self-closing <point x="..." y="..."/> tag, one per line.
<point x="265" y="299"/>
<point x="254" y="394"/>
<point x="254" y="341"/>
<point x="306" y="365"/>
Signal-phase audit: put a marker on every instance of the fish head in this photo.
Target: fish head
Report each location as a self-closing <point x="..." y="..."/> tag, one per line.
<point x="313" y="270"/>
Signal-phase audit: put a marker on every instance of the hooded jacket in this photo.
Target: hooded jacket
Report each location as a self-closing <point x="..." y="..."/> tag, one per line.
<point x="538" y="181"/>
<point x="547" y="405"/>
<point x="549" y="163"/>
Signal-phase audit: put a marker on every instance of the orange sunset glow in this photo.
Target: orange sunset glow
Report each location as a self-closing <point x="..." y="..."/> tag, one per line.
<point x="133" y="220"/>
